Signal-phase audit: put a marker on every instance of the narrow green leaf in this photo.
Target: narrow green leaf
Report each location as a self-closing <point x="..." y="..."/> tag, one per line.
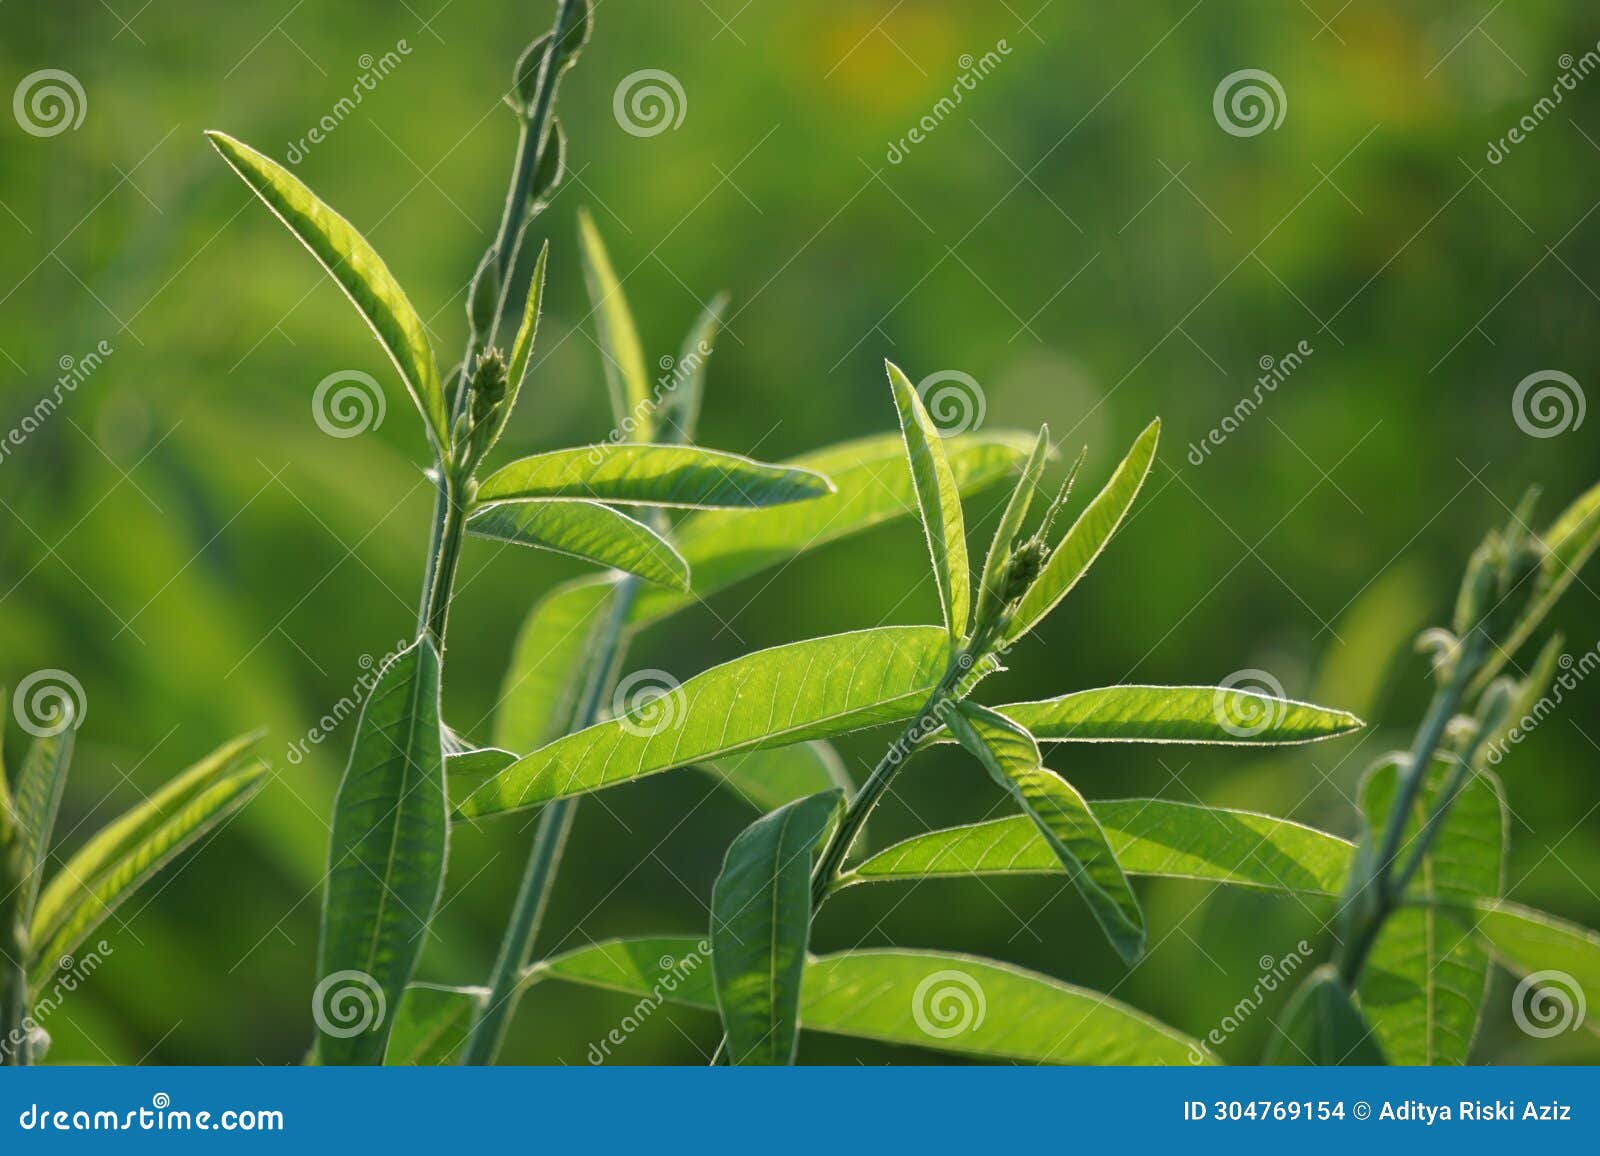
<point x="1559" y="962"/>
<point x="788" y="694"/>
<point x="946" y="1002"/>
<point x="939" y="501"/>
<point x="1424" y="983"/>
<point x="760" y="926"/>
<point x="585" y="530"/>
<point x="1147" y="836"/>
<point x="432" y="1024"/>
<point x="651" y="475"/>
<point x="130" y="850"/>
<point x="769" y="778"/>
<point x="1178" y="714"/>
<point x="991" y="586"/>
<point x="1088" y="535"/>
<point x="1322" y="1026"/>
<point x="1062" y="816"/>
<point x="522" y="346"/>
<point x="39" y="788"/>
<point x="386" y="860"/>
<point x="545" y="677"/>
<point x="629" y="381"/>
<point x="680" y="414"/>
<point x="355" y="266"/>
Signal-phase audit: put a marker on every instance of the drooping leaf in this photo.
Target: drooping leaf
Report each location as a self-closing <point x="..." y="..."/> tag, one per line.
<point x="432" y="1024"/>
<point x="1061" y="815"/>
<point x="1559" y="960"/>
<point x="341" y="250"/>
<point x="949" y="1003"/>
<point x="1321" y="1025"/>
<point x="629" y="381"/>
<point x="991" y="586"/>
<point x="1148" y="837"/>
<point x="122" y="856"/>
<point x="1178" y="714"/>
<point x="761" y="925"/>
<point x="1424" y="982"/>
<point x="872" y="487"/>
<point x="769" y="778"/>
<point x="545" y="677"/>
<point x="522" y="346"/>
<point x="1088" y="536"/>
<point x="652" y="475"/>
<point x="680" y="413"/>
<point x="939" y="500"/>
<point x="585" y="530"/>
<point x="39" y="788"/>
<point x="386" y="859"/>
<point x="788" y="694"/>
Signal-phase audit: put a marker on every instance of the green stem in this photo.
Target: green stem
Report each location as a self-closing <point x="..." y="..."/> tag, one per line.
<point x="17" y="1054"/>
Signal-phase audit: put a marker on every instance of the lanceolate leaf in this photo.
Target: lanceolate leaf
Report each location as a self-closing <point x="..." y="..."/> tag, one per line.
<point x="680" y="413"/>
<point x="386" y="860"/>
<point x="122" y="856"/>
<point x="585" y="530"/>
<point x="1320" y="1025"/>
<point x="1062" y="816"/>
<point x="873" y="486"/>
<point x="1178" y="714"/>
<point x="542" y="683"/>
<point x="949" y="1003"/>
<point x="939" y="499"/>
<point x="789" y="694"/>
<point x="1147" y="836"/>
<point x="432" y="1024"/>
<point x="649" y="475"/>
<point x="39" y="787"/>
<point x="769" y="778"/>
<point x="1088" y="535"/>
<point x="991" y="587"/>
<point x="357" y="269"/>
<point x="1424" y="983"/>
<point x="522" y="346"/>
<point x="1562" y="958"/>
<point x="631" y="401"/>
<point x="760" y="926"/>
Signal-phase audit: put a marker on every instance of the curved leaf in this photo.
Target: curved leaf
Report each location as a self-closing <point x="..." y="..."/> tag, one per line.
<point x="680" y="413"/>
<point x="386" y="856"/>
<point x="760" y="926"/>
<point x="939" y="501"/>
<point x="650" y="475"/>
<point x="39" y="788"/>
<point x="545" y="677"/>
<point x="991" y="585"/>
<point x="788" y="694"/>
<point x="769" y="778"/>
<point x="1528" y="942"/>
<point x="631" y="401"/>
<point x="1178" y="714"/>
<point x="432" y="1024"/>
<point x="1320" y="1025"/>
<point x="1147" y="836"/>
<point x="341" y="250"/>
<point x="585" y="530"/>
<point x="1088" y="535"/>
<point x="521" y="346"/>
<point x="926" y="999"/>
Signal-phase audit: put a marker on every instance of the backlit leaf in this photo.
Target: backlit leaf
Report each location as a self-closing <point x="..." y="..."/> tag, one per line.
<point x="432" y="1024"/>
<point x="773" y="776"/>
<point x="585" y="530"/>
<point x="631" y="402"/>
<point x="1321" y="1025"/>
<point x="39" y="787"/>
<point x="1178" y="714"/>
<point x="545" y="677"/>
<point x="939" y="500"/>
<point x="650" y="475"/>
<point x="680" y="413"/>
<point x="991" y="586"/>
<point x="522" y="346"/>
<point x="1562" y="958"/>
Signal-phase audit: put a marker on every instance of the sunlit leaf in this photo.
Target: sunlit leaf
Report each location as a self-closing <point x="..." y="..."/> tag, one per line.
<point x="939" y="500"/>
<point x="650" y="475"/>
<point x="545" y="677"/>
<point x="585" y="530"/>
<point x="632" y="404"/>
<point x="680" y="412"/>
<point x="432" y="1024"/>
<point x="1321" y="1025"/>
<point x="1562" y="959"/>
<point x="788" y="694"/>
<point x="760" y="926"/>
<point x="39" y="787"/>
<point x="522" y="346"/>
<point x="355" y="266"/>
<point x="991" y="586"/>
<point x="1178" y="714"/>
<point x="773" y="776"/>
<point x="386" y="857"/>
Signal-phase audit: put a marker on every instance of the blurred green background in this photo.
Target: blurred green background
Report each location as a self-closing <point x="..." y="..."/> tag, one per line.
<point x="1080" y="236"/>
